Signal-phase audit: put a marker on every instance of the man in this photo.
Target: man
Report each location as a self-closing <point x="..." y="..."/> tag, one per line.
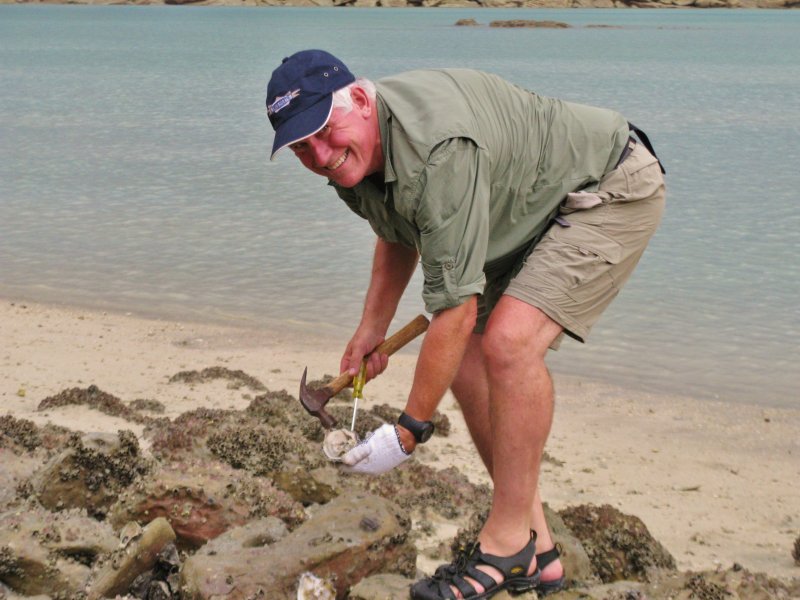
<point x="527" y="214"/>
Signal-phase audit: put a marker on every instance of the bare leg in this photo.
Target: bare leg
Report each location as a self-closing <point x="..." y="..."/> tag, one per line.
<point x="507" y="366"/>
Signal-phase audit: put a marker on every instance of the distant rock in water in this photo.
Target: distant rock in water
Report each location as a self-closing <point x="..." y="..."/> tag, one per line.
<point x="561" y="4"/>
<point x="467" y="23"/>
<point x="530" y="23"/>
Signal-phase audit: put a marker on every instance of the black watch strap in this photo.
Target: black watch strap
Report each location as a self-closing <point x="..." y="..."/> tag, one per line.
<point x="421" y="430"/>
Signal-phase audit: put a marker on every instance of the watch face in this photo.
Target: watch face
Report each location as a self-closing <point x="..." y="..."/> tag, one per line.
<point x="426" y="433"/>
<point x="422" y="430"/>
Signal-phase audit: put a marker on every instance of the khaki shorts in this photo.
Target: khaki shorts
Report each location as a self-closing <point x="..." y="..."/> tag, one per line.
<point x="580" y="264"/>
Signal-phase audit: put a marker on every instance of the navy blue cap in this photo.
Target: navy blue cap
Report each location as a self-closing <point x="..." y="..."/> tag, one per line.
<point x="300" y="94"/>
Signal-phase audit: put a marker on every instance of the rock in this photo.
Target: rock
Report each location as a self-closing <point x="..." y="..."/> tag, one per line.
<point x="467" y="23"/>
<point x="259" y="449"/>
<point x="304" y="487"/>
<point x="383" y="586"/>
<point x="24" y="447"/>
<point x="345" y="540"/>
<point x="574" y="559"/>
<point x="202" y="499"/>
<point x="19" y="435"/>
<point x="186" y="434"/>
<point x="15" y="470"/>
<point x="530" y="24"/>
<point x="90" y="472"/>
<point x="49" y="553"/>
<point x="136" y="555"/>
<point x="273" y="433"/>
<point x="95" y="398"/>
<point x="415" y="486"/>
<point x="148" y="405"/>
<point x="162" y="582"/>
<point x="504" y="595"/>
<point x="619" y="590"/>
<point x="735" y="583"/>
<point x="796" y="551"/>
<point x="258" y="533"/>
<point x="618" y="545"/>
<point x="22" y="436"/>
<point x="9" y="594"/>
<point x="237" y="377"/>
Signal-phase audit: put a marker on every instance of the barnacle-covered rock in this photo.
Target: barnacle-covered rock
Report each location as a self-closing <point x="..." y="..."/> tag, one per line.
<point x="90" y="472"/>
<point x="49" y="553"/>
<point x="201" y="499"/>
<point x="619" y="546"/>
<point x="346" y="540"/>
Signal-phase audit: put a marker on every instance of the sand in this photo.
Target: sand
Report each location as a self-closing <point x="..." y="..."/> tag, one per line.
<point x="716" y="483"/>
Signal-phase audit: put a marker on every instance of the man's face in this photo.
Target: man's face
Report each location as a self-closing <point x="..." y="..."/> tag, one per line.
<point x="347" y="148"/>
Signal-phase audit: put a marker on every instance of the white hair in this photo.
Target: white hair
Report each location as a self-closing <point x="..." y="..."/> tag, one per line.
<point x="342" y="98"/>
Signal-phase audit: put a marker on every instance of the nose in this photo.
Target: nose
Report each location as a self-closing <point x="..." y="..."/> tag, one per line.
<point x="320" y="151"/>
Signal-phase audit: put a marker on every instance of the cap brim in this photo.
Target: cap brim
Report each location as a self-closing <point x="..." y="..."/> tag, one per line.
<point x="302" y="125"/>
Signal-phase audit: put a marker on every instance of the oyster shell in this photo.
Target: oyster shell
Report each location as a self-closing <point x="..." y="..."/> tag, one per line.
<point x="311" y="587"/>
<point x="337" y="442"/>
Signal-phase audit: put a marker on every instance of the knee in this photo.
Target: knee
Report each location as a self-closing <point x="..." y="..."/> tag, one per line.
<point x="505" y="347"/>
<point x="514" y="336"/>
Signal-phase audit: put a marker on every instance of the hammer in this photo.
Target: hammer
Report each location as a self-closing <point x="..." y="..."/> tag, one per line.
<point x="314" y="401"/>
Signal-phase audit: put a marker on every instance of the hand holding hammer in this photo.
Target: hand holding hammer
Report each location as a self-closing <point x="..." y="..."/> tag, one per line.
<point x="314" y="401"/>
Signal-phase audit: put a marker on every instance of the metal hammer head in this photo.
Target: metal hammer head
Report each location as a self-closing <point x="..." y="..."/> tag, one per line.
<point x="314" y="402"/>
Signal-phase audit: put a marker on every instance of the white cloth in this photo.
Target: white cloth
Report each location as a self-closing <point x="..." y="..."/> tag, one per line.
<point x="378" y="453"/>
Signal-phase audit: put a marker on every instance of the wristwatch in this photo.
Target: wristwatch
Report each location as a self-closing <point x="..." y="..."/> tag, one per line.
<point x="421" y="430"/>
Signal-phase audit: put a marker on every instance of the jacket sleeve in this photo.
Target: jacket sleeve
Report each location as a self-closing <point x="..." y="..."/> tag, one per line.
<point x="452" y="215"/>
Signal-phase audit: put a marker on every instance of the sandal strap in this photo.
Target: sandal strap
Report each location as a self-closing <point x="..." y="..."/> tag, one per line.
<point x="510" y="566"/>
<point x="446" y="592"/>
<point x="513" y="568"/>
<point x="433" y="589"/>
<point x="465" y="587"/>
<point x="545" y="558"/>
<point x="487" y="581"/>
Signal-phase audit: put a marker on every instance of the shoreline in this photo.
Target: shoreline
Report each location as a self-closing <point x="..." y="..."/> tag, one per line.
<point x="456" y="4"/>
<point x="711" y="480"/>
<point x="325" y="331"/>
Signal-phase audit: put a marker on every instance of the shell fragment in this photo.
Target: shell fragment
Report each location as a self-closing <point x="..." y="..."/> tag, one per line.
<point x="337" y="442"/>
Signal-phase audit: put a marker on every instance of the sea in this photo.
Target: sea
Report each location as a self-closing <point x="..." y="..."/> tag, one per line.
<point x="135" y="172"/>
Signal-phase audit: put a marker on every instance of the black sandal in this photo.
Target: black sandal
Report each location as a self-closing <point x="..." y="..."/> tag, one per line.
<point x="514" y="570"/>
<point x="543" y="588"/>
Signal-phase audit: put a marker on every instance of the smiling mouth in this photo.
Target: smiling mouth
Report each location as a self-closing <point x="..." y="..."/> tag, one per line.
<point x="339" y="161"/>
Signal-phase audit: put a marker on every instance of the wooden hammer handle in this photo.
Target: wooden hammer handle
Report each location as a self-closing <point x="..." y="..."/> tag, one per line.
<point x="388" y="346"/>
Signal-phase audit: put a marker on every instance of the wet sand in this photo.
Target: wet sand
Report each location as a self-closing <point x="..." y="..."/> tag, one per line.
<point x="716" y="483"/>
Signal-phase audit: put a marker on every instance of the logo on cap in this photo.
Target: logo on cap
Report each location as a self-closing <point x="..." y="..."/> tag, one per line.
<point x="282" y="102"/>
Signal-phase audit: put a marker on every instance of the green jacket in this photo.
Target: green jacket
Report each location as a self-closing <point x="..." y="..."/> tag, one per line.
<point x="475" y="168"/>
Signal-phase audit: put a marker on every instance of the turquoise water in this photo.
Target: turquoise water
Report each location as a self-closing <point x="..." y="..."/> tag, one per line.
<point x="134" y="171"/>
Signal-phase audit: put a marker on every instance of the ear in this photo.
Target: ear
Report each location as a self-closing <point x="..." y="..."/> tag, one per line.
<point x="361" y="101"/>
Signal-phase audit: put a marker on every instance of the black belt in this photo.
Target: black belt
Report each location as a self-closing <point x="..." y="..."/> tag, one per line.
<point x="645" y="140"/>
<point x="626" y="152"/>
